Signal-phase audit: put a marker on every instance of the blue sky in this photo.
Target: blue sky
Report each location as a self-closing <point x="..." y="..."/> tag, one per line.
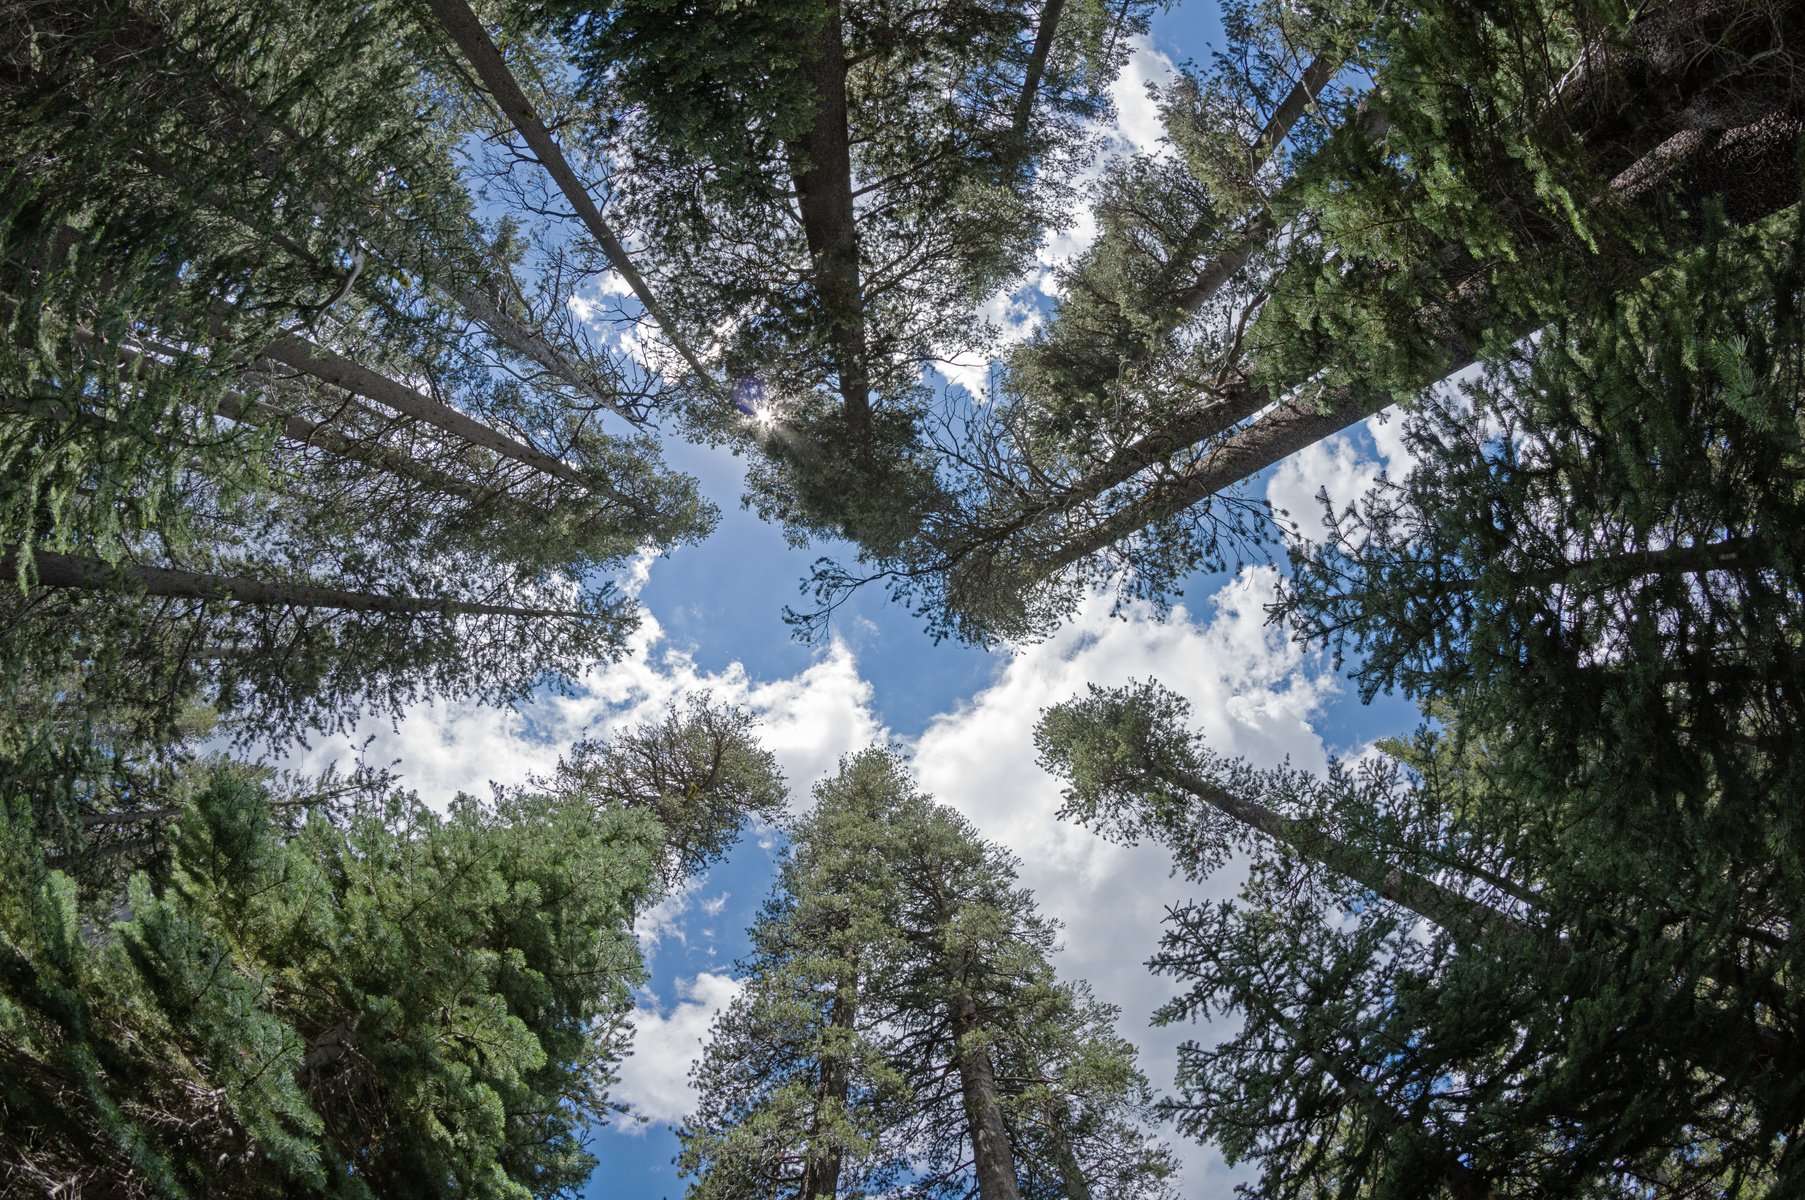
<point x="713" y="622"/>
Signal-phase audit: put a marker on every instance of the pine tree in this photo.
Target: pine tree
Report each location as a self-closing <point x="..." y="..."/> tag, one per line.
<point x="340" y="996"/>
<point x="830" y="188"/>
<point x="1507" y="166"/>
<point x="901" y="1025"/>
<point x="255" y="453"/>
<point x="1451" y="981"/>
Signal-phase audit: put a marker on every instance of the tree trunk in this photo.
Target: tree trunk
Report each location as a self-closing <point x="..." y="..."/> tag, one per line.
<point x="1468" y="920"/>
<point x="466" y="30"/>
<point x="821" y="164"/>
<point x="299" y="430"/>
<point x="1760" y="157"/>
<point x="93" y="574"/>
<point x="1071" y="1172"/>
<point x="329" y="367"/>
<point x="1735" y="1043"/>
<point x="991" y="1155"/>
<point x="1044" y="36"/>
<point x="821" y="1168"/>
<point x="1692" y="166"/>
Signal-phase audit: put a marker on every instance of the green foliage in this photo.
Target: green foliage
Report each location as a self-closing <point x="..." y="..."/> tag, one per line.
<point x="744" y="133"/>
<point x="184" y="184"/>
<point x="899" y="982"/>
<point x="699" y="771"/>
<point x="1457" y="178"/>
<point x="1452" y="982"/>
<point x="1556" y="947"/>
<point x="393" y="1004"/>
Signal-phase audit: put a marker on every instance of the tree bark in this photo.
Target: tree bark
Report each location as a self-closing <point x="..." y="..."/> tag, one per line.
<point x="1044" y="36"/>
<point x="1071" y="1173"/>
<point x="821" y="165"/>
<point x="1690" y="166"/>
<point x="1735" y="1044"/>
<point x="325" y="365"/>
<point x="93" y="574"/>
<point x="466" y="30"/>
<point x="1468" y="920"/>
<point x="991" y="1155"/>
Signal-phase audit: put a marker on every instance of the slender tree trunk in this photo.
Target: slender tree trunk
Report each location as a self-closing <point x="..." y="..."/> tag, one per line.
<point x="329" y="367"/>
<point x="1044" y="37"/>
<point x="821" y="1168"/>
<point x="1735" y="1042"/>
<point x="299" y="430"/>
<point x="821" y="163"/>
<point x="991" y="1154"/>
<point x="93" y="574"/>
<point x="466" y="30"/>
<point x="302" y="432"/>
<point x="1468" y="920"/>
<point x="1757" y="156"/>
<point x="534" y="346"/>
<point x="1237" y="399"/>
<point x="1071" y="1172"/>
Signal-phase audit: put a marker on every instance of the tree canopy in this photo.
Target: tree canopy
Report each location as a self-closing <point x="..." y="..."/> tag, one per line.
<point x="902" y="1028"/>
<point x="341" y="345"/>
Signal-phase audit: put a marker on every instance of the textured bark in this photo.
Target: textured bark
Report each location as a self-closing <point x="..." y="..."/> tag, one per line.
<point x="466" y="30"/>
<point x="821" y="166"/>
<point x="1679" y="152"/>
<point x="1071" y="1173"/>
<point x="1466" y="919"/>
<point x="1736" y="1048"/>
<point x="93" y="574"/>
<point x="991" y="1155"/>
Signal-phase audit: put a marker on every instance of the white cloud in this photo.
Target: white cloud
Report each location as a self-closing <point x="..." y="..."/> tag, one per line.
<point x="808" y="720"/>
<point x="665" y="918"/>
<point x="1337" y="465"/>
<point x="654" y="1080"/>
<point x="584" y="307"/>
<point x="1334" y="464"/>
<point x="1138" y="121"/>
<point x="1254" y="694"/>
<point x="1136" y="129"/>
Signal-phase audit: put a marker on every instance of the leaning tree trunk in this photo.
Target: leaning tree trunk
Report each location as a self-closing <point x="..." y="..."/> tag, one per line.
<point x="1751" y="169"/>
<point x="456" y="19"/>
<point x="93" y="574"/>
<point x="821" y="1167"/>
<point x="1726" y="1054"/>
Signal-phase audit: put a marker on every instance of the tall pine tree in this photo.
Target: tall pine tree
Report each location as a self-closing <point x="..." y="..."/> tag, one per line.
<point x="902" y="1027"/>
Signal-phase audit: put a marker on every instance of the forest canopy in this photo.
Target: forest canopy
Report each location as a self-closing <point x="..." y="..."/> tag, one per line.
<point x="345" y="351"/>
